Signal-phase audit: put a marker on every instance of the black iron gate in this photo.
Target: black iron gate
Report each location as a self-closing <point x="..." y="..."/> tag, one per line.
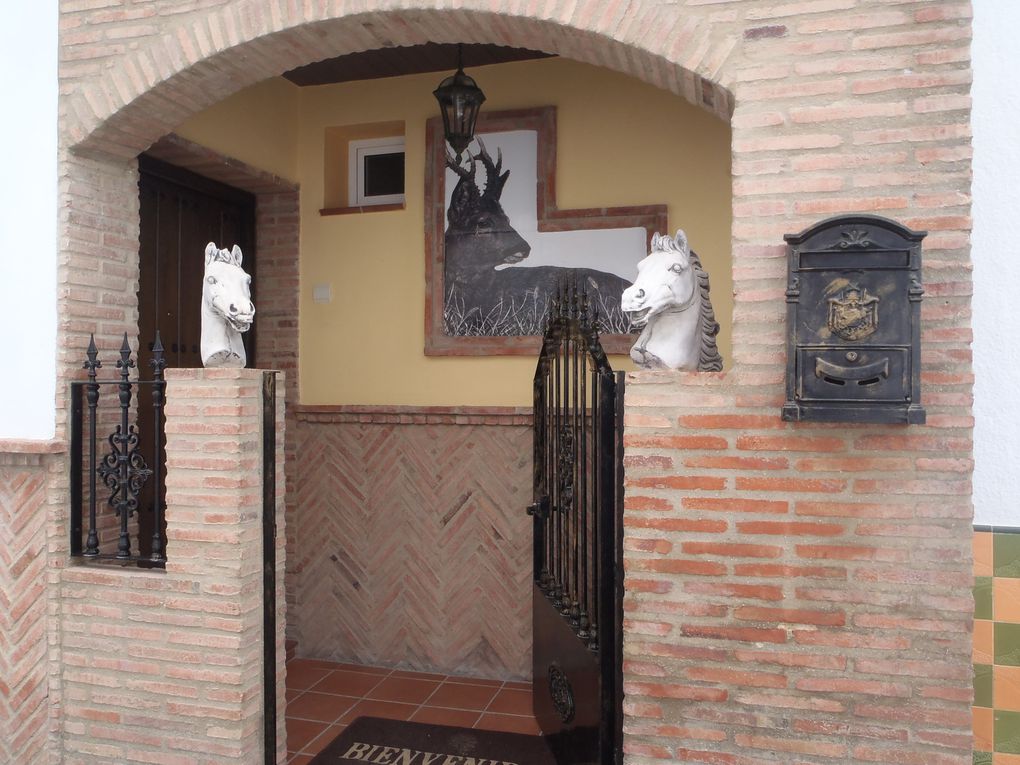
<point x="577" y="539"/>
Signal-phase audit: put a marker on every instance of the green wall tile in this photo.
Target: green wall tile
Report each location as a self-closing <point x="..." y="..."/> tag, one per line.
<point x="1007" y="732"/>
<point x="982" y="597"/>
<point x="1007" y="644"/>
<point x="982" y="758"/>
<point x="983" y="685"/>
<point x="1006" y="555"/>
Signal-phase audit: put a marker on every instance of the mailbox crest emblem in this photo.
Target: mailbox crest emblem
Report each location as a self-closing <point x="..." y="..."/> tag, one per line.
<point x="853" y="313"/>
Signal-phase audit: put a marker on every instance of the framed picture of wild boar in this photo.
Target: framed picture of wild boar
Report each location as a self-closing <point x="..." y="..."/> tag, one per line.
<point x="498" y="247"/>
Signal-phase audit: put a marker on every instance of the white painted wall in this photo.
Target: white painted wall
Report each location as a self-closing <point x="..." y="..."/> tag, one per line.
<point x="28" y="231"/>
<point x="996" y="255"/>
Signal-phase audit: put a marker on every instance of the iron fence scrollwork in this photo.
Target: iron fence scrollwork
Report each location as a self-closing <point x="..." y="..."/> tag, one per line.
<point x="123" y="470"/>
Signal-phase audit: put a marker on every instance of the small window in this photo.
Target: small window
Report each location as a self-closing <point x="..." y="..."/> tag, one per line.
<point x="376" y="172"/>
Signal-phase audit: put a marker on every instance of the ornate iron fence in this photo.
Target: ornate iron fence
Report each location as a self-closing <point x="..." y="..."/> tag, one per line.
<point x="123" y="470"/>
<point x="578" y="533"/>
<point x="577" y="468"/>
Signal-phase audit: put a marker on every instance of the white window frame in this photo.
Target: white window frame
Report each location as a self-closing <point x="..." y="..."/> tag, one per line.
<point x="356" y="153"/>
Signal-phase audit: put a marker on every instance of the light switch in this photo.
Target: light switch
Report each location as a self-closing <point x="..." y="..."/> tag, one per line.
<point x="322" y="293"/>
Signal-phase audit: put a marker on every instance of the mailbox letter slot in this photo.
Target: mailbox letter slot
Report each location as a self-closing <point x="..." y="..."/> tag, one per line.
<point x="866" y="375"/>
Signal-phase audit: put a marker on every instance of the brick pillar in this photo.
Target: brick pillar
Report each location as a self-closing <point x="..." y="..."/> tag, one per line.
<point x="277" y="230"/>
<point x="167" y="666"/>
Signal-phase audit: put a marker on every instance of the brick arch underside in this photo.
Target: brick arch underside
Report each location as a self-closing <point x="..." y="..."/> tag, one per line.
<point x="167" y="79"/>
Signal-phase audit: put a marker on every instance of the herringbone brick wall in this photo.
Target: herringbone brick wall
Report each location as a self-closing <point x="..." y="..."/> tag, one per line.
<point x="413" y="546"/>
<point x="23" y="683"/>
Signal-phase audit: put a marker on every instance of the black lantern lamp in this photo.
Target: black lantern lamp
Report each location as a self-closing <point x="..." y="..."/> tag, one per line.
<point x="460" y="99"/>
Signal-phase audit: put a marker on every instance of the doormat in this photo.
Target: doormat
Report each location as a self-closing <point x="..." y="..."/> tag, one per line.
<point x="395" y="742"/>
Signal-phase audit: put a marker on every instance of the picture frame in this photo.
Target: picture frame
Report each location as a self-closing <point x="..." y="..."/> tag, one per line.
<point x="549" y="218"/>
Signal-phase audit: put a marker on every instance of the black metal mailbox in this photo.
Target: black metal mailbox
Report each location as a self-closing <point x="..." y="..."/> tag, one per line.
<point x="853" y="310"/>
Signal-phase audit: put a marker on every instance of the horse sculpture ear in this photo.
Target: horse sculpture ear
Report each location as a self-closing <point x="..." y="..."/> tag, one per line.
<point x="236" y="255"/>
<point x="681" y="241"/>
<point x="210" y="252"/>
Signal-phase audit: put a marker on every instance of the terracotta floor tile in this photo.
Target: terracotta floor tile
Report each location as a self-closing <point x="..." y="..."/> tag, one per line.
<point x="323" y="707"/>
<point x="390" y="710"/>
<point x="403" y="689"/>
<point x="324" y="739"/>
<point x="462" y="696"/>
<point x="418" y="675"/>
<point x="509" y="724"/>
<point x="302" y="676"/>
<point x="347" y="683"/>
<point x="324" y="697"/>
<point x="301" y="732"/>
<point x="512" y="702"/>
<point x="364" y="668"/>
<point x="474" y="681"/>
<point x="461" y="718"/>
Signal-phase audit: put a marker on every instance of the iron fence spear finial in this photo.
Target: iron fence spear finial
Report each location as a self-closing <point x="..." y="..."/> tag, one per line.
<point x="92" y="362"/>
<point x="158" y="361"/>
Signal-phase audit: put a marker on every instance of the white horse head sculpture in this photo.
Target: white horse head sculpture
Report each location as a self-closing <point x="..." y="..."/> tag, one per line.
<point x="227" y="310"/>
<point x="669" y="302"/>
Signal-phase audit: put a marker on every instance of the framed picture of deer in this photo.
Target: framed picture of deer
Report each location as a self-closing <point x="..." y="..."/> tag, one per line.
<point x="498" y="247"/>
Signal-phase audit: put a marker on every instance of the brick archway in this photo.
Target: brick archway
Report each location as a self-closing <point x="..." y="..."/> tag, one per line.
<point x="168" y="78"/>
<point x="142" y="93"/>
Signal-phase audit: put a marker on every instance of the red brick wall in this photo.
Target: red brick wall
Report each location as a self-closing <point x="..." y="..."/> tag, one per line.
<point x="792" y="590"/>
<point x="166" y="666"/>
<point x="835" y="106"/>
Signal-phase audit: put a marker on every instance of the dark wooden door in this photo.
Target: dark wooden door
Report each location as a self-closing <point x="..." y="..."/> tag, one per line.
<point x="577" y="592"/>
<point x="179" y="213"/>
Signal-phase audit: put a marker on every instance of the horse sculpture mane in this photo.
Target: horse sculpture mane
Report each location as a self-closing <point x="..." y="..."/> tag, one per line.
<point x="670" y="302"/>
<point x="227" y="310"/>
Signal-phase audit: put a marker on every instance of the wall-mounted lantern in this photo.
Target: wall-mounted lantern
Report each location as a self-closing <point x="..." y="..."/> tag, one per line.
<point x="853" y="322"/>
<point x="460" y="100"/>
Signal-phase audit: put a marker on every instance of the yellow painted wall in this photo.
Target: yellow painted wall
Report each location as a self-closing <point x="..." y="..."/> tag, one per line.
<point x="258" y="125"/>
<point x="621" y="142"/>
<point x="336" y="151"/>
